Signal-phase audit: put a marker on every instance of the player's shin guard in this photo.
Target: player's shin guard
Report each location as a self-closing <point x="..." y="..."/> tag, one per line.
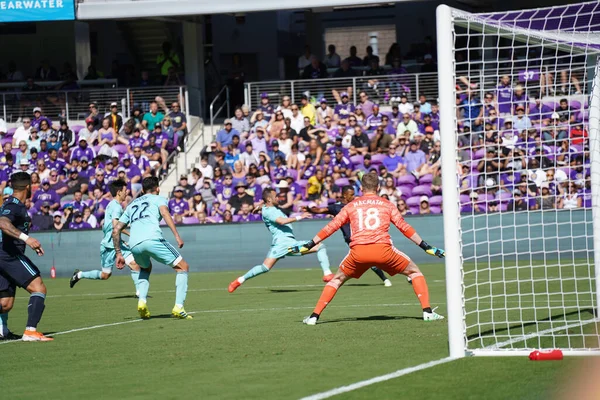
<point x="36" y="309"/>
<point x="327" y="295"/>
<point x="254" y="271"/>
<point x="95" y="274"/>
<point x="323" y="259"/>
<point x="379" y="273"/>
<point x="421" y="290"/>
<point x="181" y="287"/>
<point x="3" y="323"/>
<point x="144" y="284"/>
<point x="135" y="277"/>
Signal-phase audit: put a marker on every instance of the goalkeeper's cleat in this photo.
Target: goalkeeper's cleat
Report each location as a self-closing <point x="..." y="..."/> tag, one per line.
<point x="387" y="283"/>
<point x="233" y="286"/>
<point x="309" y="321"/>
<point x="74" y="278"/>
<point x="432" y="316"/>
<point x="328" y="277"/>
<point x="35" y="336"/>
<point x="10" y="336"/>
<point x="179" y="312"/>
<point x="143" y="310"/>
<point x="137" y="294"/>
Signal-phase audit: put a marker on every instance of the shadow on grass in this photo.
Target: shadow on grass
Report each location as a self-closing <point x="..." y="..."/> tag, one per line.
<point x="562" y="316"/>
<point x="371" y="318"/>
<point x="129" y="296"/>
<point x="295" y="290"/>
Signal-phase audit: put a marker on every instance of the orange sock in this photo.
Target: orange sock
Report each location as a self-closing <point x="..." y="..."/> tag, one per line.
<point x="326" y="296"/>
<point x="420" y="287"/>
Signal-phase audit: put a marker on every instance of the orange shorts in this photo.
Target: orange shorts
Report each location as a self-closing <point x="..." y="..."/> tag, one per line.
<point x="383" y="256"/>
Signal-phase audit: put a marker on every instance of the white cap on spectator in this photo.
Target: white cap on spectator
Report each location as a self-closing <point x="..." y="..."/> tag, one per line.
<point x="489" y="182"/>
<point x="282" y="184"/>
<point x="555" y="115"/>
<point x="424" y="198"/>
<point x="560" y="175"/>
<point x="474" y="195"/>
<point x="24" y="161"/>
<point x="37" y="109"/>
<point x="57" y="214"/>
<point x="227" y="121"/>
<point x="114" y="104"/>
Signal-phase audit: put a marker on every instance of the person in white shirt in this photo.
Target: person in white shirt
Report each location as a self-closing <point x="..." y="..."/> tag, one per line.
<point x="206" y="169"/>
<point x="332" y="59"/>
<point x="3" y="128"/>
<point x="405" y="107"/>
<point x="249" y="156"/>
<point x="297" y="119"/>
<point x="22" y="132"/>
<point x="305" y="58"/>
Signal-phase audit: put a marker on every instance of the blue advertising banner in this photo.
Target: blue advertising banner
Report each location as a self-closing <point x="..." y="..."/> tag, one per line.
<point x="36" y="10"/>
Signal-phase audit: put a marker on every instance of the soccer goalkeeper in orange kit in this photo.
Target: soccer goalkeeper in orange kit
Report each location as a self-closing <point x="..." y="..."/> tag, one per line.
<point x="370" y="217"/>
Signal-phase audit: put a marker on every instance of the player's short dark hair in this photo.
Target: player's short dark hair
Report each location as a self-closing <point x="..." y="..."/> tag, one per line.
<point x="346" y="189"/>
<point x="20" y="180"/>
<point x="149" y="184"/>
<point x="51" y="150"/>
<point x="116" y="186"/>
<point x="266" y="193"/>
<point x="370" y="182"/>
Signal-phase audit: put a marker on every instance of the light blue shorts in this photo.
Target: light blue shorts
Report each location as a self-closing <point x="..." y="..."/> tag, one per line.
<point x="280" y="249"/>
<point x="156" y="249"/>
<point x="108" y="257"/>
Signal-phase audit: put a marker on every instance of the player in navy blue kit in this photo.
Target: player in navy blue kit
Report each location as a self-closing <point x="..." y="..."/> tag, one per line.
<point x="334" y="209"/>
<point x="16" y="269"/>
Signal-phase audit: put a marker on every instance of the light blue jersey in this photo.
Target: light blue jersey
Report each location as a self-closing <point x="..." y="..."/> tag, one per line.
<point x="281" y="233"/>
<point x="113" y="211"/>
<point x="143" y="216"/>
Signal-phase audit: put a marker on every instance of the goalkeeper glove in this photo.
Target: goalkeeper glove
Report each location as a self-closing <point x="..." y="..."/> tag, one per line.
<point x="432" y="251"/>
<point x="305" y="248"/>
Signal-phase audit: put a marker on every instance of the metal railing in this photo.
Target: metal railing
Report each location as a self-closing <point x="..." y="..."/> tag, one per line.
<point x="74" y="104"/>
<point x="172" y="159"/>
<point x="379" y="88"/>
<point x="221" y="98"/>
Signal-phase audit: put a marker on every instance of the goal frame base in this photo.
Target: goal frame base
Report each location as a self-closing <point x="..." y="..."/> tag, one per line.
<point x="524" y="353"/>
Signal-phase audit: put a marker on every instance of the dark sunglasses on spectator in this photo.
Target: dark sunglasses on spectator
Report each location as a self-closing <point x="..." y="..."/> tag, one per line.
<point x="26" y="122"/>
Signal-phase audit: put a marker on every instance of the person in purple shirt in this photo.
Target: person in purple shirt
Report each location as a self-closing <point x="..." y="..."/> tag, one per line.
<point x="110" y="172"/>
<point x="78" y="203"/>
<point x="98" y="203"/>
<point x="86" y="170"/>
<point x="43" y="194"/>
<point x="366" y="104"/>
<point x="78" y="222"/>
<point x="342" y="165"/>
<point x="38" y="118"/>
<point x="393" y="161"/>
<point x="56" y="163"/>
<point x="225" y="135"/>
<point x="308" y="169"/>
<point x="279" y="169"/>
<point x="43" y="150"/>
<point x="178" y="205"/>
<point x="136" y="140"/>
<point x="388" y="129"/>
<point x="141" y="162"/>
<point x="131" y="170"/>
<point x="254" y="189"/>
<point x="342" y="111"/>
<point x="540" y="113"/>
<point x="504" y="96"/>
<point x="519" y="98"/>
<point x="162" y="139"/>
<point x="267" y="109"/>
<point x="414" y="158"/>
<point x="259" y="144"/>
<point x="374" y="120"/>
<point x="337" y="146"/>
<point x="245" y="215"/>
<point x="98" y="182"/>
<point x="225" y="190"/>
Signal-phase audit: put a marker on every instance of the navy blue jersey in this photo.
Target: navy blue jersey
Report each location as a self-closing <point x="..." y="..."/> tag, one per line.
<point x="334" y="209"/>
<point x="16" y="212"/>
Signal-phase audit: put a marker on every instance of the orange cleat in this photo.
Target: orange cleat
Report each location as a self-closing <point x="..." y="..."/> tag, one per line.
<point x="233" y="285"/>
<point x="35" y="336"/>
<point x="328" y="277"/>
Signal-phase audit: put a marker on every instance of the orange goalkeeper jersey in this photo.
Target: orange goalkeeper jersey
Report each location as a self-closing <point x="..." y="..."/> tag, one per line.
<point x="370" y="217"/>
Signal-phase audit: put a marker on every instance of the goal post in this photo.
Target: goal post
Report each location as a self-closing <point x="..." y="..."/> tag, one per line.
<point x="519" y="96"/>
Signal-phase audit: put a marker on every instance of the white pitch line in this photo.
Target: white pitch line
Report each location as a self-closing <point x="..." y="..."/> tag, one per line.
<point x="377" y="379"/>
<point x="499" y="346"/>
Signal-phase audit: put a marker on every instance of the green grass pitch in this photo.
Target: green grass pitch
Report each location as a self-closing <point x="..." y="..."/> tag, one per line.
<point x="251" y="344"/>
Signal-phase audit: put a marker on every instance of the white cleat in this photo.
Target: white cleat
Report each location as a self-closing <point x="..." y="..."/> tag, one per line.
<point x="409" y="280"/>
<point x="432" y="316"/>
<point x="309" y="321"/>
<point x="387" y="283"/>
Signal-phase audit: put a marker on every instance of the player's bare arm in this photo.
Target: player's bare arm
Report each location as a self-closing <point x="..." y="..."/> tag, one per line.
<point x="164" y="212"/>
<point x="285" y="221"/>
<point x="8" y="228"/>
<point x="118" y="227"/>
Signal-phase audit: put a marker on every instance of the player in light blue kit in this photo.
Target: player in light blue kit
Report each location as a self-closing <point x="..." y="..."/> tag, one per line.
<point x="283" y="239"/>
<point x="108" y="257"/>
<point x="146" y="243"/>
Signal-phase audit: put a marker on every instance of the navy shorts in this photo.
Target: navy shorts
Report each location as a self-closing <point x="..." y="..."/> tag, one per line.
<point x="18" y="269"/>
<point x="7" y="289"/>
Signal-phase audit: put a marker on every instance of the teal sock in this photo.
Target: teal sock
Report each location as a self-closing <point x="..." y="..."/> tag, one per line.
<point x="181" y="287"/>
<point x="135" y="276"/>
<point x="3" y="323"/>
<point x="95" y="274"/>
<point x="144" y="284"/>
<point x="255" y="271"/>
<point x="323" y="259"/>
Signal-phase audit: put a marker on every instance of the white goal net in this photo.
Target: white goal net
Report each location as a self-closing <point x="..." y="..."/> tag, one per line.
<point x="519" y="97"/>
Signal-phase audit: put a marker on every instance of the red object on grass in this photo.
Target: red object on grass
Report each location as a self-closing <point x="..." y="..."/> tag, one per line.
<point x="53" y="272"/>
<point x="544" y="355"/>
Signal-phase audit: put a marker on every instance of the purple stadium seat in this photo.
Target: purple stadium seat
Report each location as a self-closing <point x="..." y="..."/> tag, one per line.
<point x="214" y="220"/>
<point x="342" y="182"/>
<point x="464" y="199"/>
<point x="485" y="197"/>
<point x="426" y="179"/>
<point x="11" y="132"/>
<point x="575" y="105"/>
<point x="422" y="190"/>
<point x="504" y="197"/>
<point x="14" y="151"/>
<point x="435" y="201"/>
<point x="413" y="201"/>
<point x="552" y="104"/>
<point x="479" y="154"/>
<point x="302" y="183"/>
<point x="414" y="210"/>
<point x="435" y="209"/>
<point x="357" y="160"/>
<point x="193" y="220"/>
<point x="378" y="158"/>
<point x="331" y="201"/>
<point x="293" y="173"/>
<point x="503" y="207"/>
<point x="406" y="180"/>
<point x="406" y="191"/>
<point x="371" y="135"/>
<point x="77" y="128"/>
<point x="236" y="218"/>
<point x="6" y="140"/>
<point x="121" y="148"/>
<point x="96" y="148"/>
